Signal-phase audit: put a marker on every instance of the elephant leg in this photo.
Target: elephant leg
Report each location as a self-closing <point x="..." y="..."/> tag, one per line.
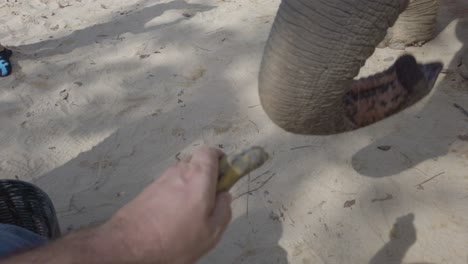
<point x="415" y="26"/>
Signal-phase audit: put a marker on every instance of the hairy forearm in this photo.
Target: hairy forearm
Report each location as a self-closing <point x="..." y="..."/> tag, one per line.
<point x="175" y="220"/>
<point x="103" y="244"/>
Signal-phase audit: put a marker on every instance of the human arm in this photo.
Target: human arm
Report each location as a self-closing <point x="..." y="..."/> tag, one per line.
<point x="176" y="219"/>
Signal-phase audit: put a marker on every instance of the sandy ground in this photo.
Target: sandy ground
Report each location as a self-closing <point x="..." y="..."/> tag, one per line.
<point x="106" y="93"/>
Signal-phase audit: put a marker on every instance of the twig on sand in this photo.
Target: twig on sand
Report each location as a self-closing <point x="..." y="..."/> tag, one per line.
<point x="302" y="147"/>
<point x="247" y="200"/>
<point x="201" y="48"/>
<point x="254" y="179"/>
<point x="420" y="185"/>
<point x="463" y="110"/>
<point x="255" y="124"/>
<point x="256" y="188"/>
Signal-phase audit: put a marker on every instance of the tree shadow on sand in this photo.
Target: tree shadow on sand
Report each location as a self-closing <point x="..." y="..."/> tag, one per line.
<point x="133" y="21"/>
<point x="149" y="122"/>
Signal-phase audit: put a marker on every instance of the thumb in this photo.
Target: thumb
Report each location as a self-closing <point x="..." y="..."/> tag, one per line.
<point x="222" y="213"/>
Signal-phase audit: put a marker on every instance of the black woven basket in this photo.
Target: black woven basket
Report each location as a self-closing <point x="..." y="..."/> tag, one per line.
<point x="25" y="205"/>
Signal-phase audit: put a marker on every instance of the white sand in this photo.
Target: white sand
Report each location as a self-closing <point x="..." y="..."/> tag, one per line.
<point x="105" y="93"/>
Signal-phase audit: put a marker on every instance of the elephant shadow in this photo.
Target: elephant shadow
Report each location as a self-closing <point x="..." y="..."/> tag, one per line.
<point x="432" y="131"/>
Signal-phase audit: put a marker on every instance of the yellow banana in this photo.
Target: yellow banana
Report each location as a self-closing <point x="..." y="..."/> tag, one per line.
<point x="234" y="167"/>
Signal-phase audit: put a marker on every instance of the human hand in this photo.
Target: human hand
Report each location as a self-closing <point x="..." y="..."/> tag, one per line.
<point x="179" y="217"/>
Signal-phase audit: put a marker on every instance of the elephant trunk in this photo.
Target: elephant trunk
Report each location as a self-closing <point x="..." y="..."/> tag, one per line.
<point x="315" y="49"/>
